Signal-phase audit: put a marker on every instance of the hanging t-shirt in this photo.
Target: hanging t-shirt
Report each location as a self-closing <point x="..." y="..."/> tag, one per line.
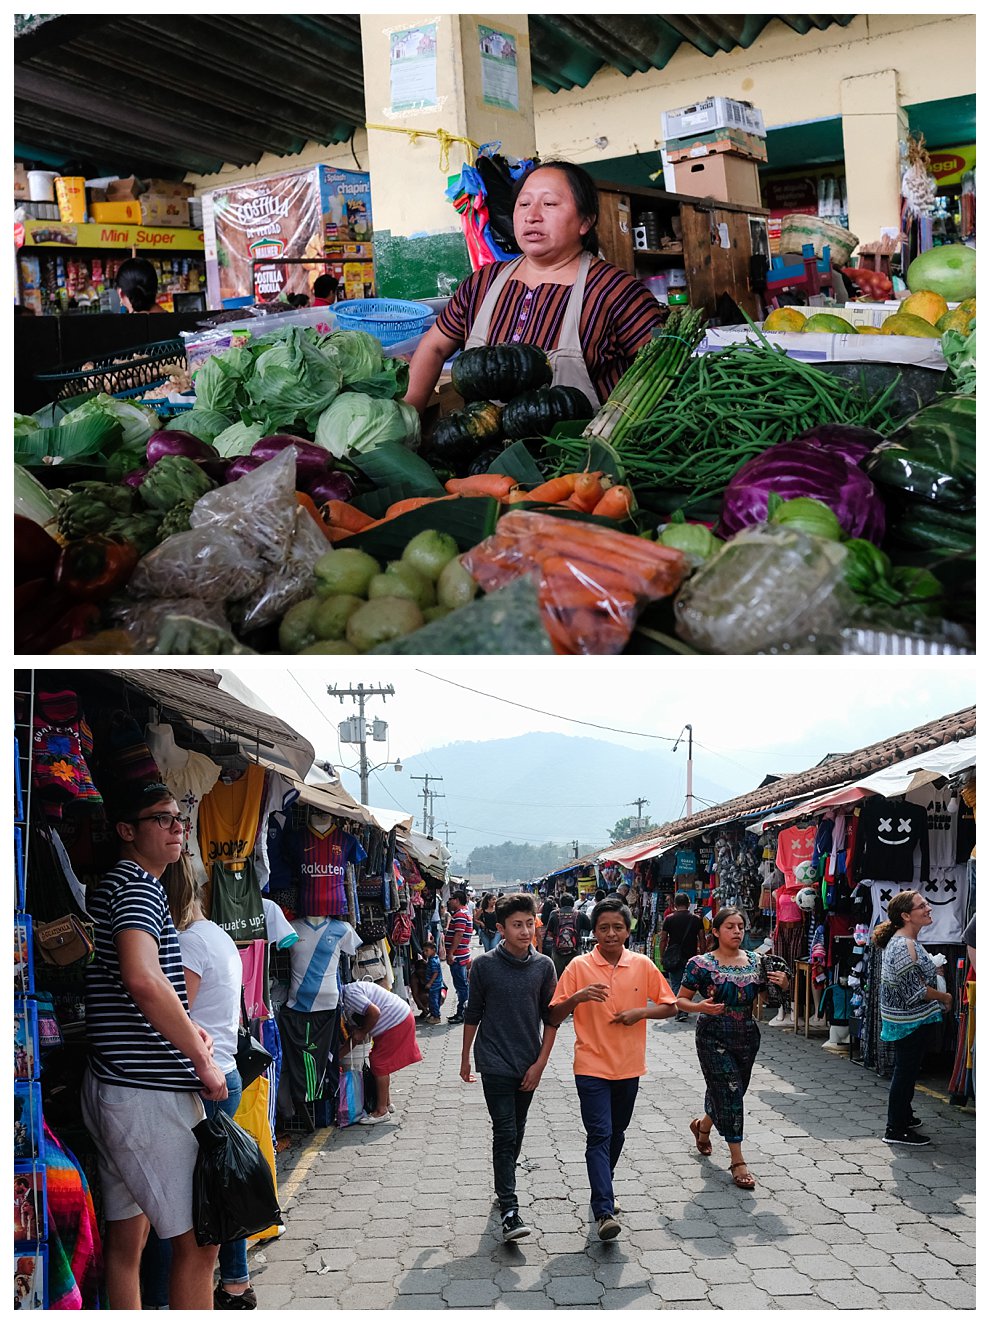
<point x="189" y="776"/>
<point x="685" y="862"/>
<point x="280" y="795"/>
<point x="254" y="978"/>
<point x="236" y="903"/>
<point x="228" y="817"/>
<point x="888" y="833"/>
<point x="941" y="806"/>
<point x="320" y="854"/>
<point x="314" y="962"/>
<point x="795" y="848"/>
<point x="946" y="892"/>
<point x="277" y="928"/>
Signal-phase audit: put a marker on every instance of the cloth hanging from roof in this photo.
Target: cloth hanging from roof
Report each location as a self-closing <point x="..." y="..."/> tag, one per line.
<point x="482" y="196"/>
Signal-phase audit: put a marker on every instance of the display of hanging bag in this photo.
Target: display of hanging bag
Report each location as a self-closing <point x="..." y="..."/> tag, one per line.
<point x="233" y="1189"/>
<point x="64" y="941"/>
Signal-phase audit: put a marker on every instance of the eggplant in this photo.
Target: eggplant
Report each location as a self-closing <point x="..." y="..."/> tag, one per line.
<point x="136" y="477"/>
<point x="244" y="464"/>
<point x="312" y="461"/>
<point x="216" y="469"/>
<point x="173" y="441"/>
<point x="333" y="486"/>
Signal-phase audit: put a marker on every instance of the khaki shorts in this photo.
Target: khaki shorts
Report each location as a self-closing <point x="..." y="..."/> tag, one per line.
<point x="147" y="1152"/>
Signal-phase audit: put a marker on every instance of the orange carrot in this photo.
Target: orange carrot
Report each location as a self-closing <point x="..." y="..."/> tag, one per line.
<point x="588" y="491"/>
<point x="617" y="503"/>
<point x="515" y="496"/>
<point x="493" y="485"/>
<point x="309" y="505"/>
<point x="341" y="514"/>
<point x="555" y="489"/>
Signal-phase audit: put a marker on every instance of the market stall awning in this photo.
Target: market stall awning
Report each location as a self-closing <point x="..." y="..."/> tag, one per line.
<point x="428" y="853"/>
<point x="897" y="779"/>
<point x="196" y="696"/>
<point x="330" y="798"/>
<point x="170" y="94"/>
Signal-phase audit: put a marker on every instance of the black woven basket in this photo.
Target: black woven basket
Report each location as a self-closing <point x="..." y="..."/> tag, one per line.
<point x="127" y="372"/>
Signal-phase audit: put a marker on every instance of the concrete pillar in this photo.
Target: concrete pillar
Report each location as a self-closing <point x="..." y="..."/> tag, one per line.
<point x="872" y="125"/>
<point x="419" y="240"/>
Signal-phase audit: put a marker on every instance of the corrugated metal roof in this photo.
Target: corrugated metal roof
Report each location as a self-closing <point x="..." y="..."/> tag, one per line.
<point x="164" y="95"/>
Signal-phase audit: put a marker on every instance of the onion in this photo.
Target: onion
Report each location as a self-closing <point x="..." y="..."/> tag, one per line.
<point x="173" y="441"/>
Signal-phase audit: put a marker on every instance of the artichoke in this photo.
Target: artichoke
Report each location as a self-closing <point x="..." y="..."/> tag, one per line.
<point x="176" y="521"/>
<point x="173" y="481"/>
<point x="92" y="507"/>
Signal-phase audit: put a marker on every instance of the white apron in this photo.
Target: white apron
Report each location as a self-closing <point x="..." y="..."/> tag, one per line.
<point x="567" y="360"/>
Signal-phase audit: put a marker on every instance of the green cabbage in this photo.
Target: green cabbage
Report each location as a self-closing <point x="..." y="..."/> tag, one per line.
<point x="220" y="382"/>
<point x="292" y="382"/>
<point x="238" y="439"/>
<point x="23" y="424"/>
<point x="357" y="422"/>
<point x="364" y="365"/>
<point x="201" y="422"/>
<point x="137" y="422"/>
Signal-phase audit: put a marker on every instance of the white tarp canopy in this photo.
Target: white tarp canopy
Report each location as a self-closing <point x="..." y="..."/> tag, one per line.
<point x="644" y="850"/>
<point x="897" y="779"/>
<point x="427" y="851"/>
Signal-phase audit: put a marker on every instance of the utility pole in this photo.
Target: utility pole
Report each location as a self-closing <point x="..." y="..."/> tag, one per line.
<point x="639" y="811"/>
<point x="689" y="797"/>
<point x="576" y="849"/>
<point x="434" y="795"/>
<point x="447" y="834"/>
<point x="362" y="692"/>
<point x="426" y="779"/>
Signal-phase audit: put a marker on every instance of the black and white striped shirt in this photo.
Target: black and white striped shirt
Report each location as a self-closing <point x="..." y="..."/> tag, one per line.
<point x="125" y="1049"/>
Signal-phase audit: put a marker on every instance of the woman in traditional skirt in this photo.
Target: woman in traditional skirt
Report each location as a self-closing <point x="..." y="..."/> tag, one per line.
<point x="727" y="1036"/>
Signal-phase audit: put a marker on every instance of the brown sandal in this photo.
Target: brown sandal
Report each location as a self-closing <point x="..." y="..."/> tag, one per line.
<point x="701" y="1138"/>
<point x="746" y="1183"/>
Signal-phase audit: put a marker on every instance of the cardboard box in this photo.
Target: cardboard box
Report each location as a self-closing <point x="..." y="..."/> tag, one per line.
<point x="21" y="190"/>
<point x="726" y="177"/>
<point x="713" y="113"/>
<point x="168" y="188"/>
<point x="156" y="210"/>
<point x="719" y="140"/>
<point x="116" y="213"/>
<point x="120" y="189"/>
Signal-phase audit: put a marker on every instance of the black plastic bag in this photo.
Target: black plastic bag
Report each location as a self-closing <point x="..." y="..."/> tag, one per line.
<point x="499" y="188"/>
<point x="233" y="1187"/>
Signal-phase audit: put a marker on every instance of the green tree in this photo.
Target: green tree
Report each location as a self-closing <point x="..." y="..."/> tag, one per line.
<point x="629" y="827"/>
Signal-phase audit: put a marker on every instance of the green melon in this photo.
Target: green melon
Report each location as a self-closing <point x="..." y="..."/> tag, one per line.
<point x="949" y="271"/>
<point x="829" y="324"/>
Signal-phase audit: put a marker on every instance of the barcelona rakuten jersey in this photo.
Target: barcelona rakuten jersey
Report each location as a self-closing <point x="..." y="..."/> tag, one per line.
<point x="320" y="859"/>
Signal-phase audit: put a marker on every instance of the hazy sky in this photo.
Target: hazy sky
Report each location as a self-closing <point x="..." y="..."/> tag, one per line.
<point x="749" y="716"/>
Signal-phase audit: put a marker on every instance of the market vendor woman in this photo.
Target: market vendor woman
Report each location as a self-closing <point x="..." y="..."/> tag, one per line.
<point x="589" y="316"/>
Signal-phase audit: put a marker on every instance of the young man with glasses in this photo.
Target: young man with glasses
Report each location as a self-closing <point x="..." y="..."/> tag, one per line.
<point x="150" y="1066"/>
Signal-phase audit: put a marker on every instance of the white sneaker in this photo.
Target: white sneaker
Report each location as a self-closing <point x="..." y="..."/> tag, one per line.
<point x="372" y="1119"/>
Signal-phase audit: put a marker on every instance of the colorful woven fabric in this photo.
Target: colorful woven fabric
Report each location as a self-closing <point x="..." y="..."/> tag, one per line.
<point x="58" y="764"/>
<point x="75" y="1254"/>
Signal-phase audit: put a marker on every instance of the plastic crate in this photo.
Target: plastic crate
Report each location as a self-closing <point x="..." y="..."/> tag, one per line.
<point x="390" y="320"/>
<point x="144" y="368"/>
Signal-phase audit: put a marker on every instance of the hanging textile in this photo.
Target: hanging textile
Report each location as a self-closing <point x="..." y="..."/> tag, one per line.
<point x="482" y="197"/>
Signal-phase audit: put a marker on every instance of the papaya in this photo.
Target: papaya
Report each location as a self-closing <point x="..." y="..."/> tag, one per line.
<point x="829" y="324"/>
<point x="907" y="324"/>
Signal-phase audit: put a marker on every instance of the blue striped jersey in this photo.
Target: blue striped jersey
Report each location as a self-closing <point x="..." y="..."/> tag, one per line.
<point x="125" y="1049"/>
<point x="315" y="960"/>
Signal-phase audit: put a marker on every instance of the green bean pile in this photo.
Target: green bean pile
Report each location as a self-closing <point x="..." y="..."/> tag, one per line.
<point x="727" y="407"/>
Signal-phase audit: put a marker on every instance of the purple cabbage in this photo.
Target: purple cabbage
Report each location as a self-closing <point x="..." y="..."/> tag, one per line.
<point x="805" y="467"/>
<point x="853" y="442"/>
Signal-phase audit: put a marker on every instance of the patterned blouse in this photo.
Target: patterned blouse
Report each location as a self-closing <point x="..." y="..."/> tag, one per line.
<point x="736" y="986"/>
<point x="617" y="318"/>
<point x="903" y="983"/>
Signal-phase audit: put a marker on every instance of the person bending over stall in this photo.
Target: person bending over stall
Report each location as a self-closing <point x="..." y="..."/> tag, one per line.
<point x="589" y="316"/>
<point x="727" y="1035"/>
<point x="372" y="1012"/>
<point x="149" y="1063"/>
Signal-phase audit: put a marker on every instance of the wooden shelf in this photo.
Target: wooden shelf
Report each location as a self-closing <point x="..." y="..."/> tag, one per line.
<point x="677" y="253"/>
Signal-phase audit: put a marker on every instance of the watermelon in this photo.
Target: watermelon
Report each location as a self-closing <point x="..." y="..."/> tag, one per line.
<point x="949" y="271"/>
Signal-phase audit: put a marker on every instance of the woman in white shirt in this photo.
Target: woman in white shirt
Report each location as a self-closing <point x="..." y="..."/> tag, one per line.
<point x="214" y="977"/>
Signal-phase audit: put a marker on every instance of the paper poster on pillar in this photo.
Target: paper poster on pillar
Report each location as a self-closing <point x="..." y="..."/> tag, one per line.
<point x="499" y="68"/>
<point x="413" y="69"/>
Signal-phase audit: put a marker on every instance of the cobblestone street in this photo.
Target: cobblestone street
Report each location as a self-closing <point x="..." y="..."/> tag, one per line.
<point x="400" y="1216"/>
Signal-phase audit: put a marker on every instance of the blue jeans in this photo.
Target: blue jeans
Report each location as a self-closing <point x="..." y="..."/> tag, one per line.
<point x="459" y="974"/>
<point x="606" y="1110"/>
<point x="233" y="1254"/>
<point x="489" y="940"/>
<point x="434" y="996"/>
<point x="507" y="1107"/>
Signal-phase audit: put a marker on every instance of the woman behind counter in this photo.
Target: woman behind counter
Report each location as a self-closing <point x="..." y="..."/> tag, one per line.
<point x="588" y="315"/>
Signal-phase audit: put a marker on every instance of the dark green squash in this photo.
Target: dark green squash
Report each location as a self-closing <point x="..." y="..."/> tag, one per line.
<point x="499" y="372"/>
<point x="536" y="413"/>
<point x="461" y="435"/>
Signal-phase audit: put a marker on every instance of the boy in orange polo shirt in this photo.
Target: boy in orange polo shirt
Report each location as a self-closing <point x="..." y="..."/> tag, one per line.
<point x="608" y="990"/>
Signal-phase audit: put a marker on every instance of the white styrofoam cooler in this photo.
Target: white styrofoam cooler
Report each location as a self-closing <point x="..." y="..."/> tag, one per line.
<point x="713" y="113"/>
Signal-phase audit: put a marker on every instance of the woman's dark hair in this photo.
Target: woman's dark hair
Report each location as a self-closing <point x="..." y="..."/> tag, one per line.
<point x="584" y="191"/>
<point x="898" y="908"/>
<point x="726" y="913"/>
<point x="138" y="279"/>
<point x="611" y="905"/>
<point x="512" y="903"/>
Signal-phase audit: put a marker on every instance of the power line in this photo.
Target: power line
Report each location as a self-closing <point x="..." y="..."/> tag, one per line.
<point x="578" y="721"/>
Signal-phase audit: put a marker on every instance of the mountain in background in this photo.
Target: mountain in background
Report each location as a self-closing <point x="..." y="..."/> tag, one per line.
<point x="538" y="788"/>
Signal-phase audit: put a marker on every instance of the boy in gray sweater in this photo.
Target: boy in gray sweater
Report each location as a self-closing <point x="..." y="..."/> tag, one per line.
<point x="507" y="1019"/>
